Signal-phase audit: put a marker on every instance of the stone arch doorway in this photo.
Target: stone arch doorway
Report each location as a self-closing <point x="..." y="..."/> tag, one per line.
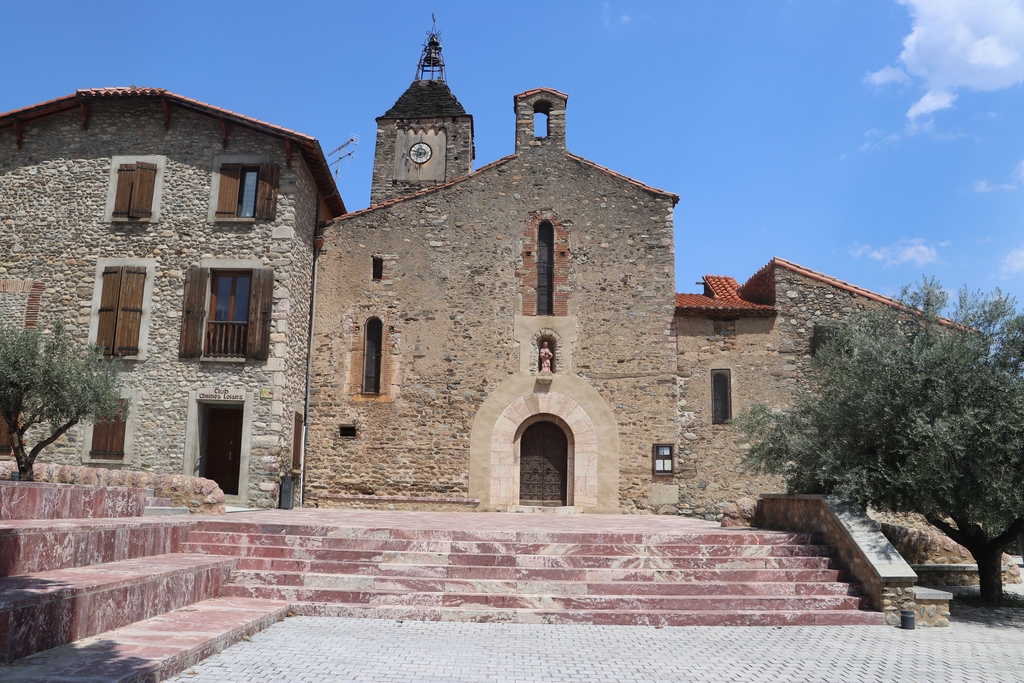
<point x="544" y="465"/>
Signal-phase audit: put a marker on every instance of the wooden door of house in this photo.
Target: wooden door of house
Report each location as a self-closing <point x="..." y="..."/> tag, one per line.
<point x="543" y="465"/>
<point x="224" y="447"/>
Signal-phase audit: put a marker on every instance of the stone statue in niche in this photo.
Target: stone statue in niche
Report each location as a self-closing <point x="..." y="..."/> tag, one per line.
<point x="546" y="356"/>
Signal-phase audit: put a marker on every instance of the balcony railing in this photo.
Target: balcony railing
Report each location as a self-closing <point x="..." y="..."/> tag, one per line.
<point x="225" y="339"/>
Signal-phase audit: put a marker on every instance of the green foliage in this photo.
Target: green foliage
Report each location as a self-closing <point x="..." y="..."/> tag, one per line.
<point x="912" y="412"/>
<point x="49" y="379"/>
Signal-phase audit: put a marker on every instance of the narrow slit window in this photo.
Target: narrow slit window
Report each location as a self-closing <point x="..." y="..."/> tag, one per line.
<point x="545" y="269"/>
<point x="540" y="124"/>
<point x="378" y="268"/>
<point x="721" y="402"/>
<point x="372" y="356"/>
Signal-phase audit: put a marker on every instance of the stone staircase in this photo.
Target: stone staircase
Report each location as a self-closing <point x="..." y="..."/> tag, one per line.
<point x="699" y="575"/>
<point x="114" y="595"/>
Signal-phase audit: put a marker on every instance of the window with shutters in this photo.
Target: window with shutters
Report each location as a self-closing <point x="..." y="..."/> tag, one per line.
<point x="226" y="313"/>
<point x="721" y="398"/>
<point x="247" y="192"/>
<point x="135" y="187"/>
<point x="110" y="441"/>
<point x="121" y="306"/>
<point x="108" y="438"/>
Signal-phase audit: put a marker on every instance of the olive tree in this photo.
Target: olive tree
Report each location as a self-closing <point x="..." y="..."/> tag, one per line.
<point x="48" y="380"/>
<point x="908" y="411"/>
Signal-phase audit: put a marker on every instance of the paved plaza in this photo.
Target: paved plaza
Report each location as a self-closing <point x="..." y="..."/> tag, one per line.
<point x="981" y="645"/>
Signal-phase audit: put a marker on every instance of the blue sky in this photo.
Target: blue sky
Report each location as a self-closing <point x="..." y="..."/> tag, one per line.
<point x="874" y="140"/>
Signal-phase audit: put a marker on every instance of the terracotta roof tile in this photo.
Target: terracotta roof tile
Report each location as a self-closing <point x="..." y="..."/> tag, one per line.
<point x="721" y="297"/>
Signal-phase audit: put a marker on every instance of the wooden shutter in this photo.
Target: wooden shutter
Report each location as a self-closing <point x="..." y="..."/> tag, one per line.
<point x="142" y="193"/>
<point x="109" y="297"/>
<point x="193" y="312"/>
<point x="261" y="300"/>
<point x="123" y="196"/>
<point x="227" y="193"/>
<point x="266" y="194"/>
<point x="108" y="439"/>
<point x="129" y="311"/>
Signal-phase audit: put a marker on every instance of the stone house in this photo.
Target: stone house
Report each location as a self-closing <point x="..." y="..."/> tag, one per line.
<point x="180" y="237"/>
<point x="740" y="345"/>
<point x="434" y="305"/>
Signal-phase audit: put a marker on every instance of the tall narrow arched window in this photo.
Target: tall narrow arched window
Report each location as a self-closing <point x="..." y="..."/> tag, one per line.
<point x="721" y="401"/>
<point x="371" y="356"/>
<point x="546" y="269"/>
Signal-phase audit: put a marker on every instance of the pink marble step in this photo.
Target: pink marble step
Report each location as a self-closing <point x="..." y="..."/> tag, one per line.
<point x="547" y="601"/>
<point x="381" y="583"/>
<point x="153" y="649"/>
<point x="539" y="573"/>
<point x="725" y="537"/>
<point x="621" y="617"/>
<point x="47" y="609"/>
<point x="28" y="546"/>
<point x="751" y="561"/>
<point x="43" y="500"/>
<point x="491" y="548"/>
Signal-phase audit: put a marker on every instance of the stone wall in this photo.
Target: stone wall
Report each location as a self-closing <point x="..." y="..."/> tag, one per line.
<point x="200" y="496"/>
<point x="767" y="358"/>
<point x="53" y="193"/>
<point x="885" y="577"/>
<point x="451" y="303"/>
<point x="936" y="557"/>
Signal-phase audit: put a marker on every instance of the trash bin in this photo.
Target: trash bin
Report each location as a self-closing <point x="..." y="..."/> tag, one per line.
<point x="287" y="492"/>
<point x="907" y="619"/>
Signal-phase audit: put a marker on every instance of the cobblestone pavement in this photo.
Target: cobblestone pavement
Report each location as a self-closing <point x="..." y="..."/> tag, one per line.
<point x="980" y="645"/>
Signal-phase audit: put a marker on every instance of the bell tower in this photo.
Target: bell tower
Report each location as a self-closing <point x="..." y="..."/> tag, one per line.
<point x="426" y="138"/>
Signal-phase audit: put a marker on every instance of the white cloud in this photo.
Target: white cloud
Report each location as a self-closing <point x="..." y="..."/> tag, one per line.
<point x="975" y="44"/>
<point x="1014" y="261"/>
<point x="904" y="251"/>
<point x="888" y="74"/>
<point x="983" y="186"/>
<point x="609" y="18"/>
<point x="933" y="101"/>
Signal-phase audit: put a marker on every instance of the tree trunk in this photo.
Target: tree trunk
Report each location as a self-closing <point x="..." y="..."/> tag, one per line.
<point x="990" y="573"/>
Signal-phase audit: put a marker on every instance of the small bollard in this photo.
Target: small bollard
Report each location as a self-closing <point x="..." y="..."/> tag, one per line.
<point x="907" y="619"/>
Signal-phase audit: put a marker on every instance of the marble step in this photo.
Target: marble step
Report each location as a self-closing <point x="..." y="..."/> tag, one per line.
<point x="599" y="617"/>
<point x="495" y="560"/>
<point x="278" y="529"/>
<point x="687" y="603"/>
<point x="482" y="547"/>
<point x="48" y="609"/>
<point x="153" y="511"/>
<point x="399" y="583"/>
<point x="474" y="572"/>
<point x="28" y="546"/>
<point x="153" y="501"/>
<point x="153" y="649"/>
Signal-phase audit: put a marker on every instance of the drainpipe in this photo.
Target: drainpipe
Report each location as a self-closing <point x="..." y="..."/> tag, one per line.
<point x="309" y="354"/>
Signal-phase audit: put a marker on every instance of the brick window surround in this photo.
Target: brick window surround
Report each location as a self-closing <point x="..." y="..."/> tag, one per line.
<point x="528" y="273"/>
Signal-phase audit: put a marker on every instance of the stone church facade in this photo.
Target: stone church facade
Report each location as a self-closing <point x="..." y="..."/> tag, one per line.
<point x="433" y="306"/>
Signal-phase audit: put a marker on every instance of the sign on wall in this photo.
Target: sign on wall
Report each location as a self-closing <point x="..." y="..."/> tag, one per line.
<point x="221" y="394"/>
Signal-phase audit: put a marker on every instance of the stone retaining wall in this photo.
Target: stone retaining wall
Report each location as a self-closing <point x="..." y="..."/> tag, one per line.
<point x="886" y="578"/>
<point x="954" y="564"/>
<point x="199" y="495"/>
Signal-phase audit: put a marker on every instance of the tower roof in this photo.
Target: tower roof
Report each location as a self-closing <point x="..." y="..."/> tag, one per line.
<point x="425" y="99"/>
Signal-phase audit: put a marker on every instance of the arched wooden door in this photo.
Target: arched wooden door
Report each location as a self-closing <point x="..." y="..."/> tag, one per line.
<point x="543" y="465"/>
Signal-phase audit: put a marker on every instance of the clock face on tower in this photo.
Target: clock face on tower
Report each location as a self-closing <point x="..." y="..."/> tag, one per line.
<point x="420" y="153"/>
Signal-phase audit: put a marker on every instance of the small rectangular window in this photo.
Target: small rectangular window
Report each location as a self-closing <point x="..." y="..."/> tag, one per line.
<point x="108" y="439"/>
<point x="133" y="198"/>
<point x="348" y="431"/>
<point x="721" y="399"/>
<point x="821" y="335"/>
<point x="378" y="268"/>
<point x="662" y="459"/>
<point x="297" y="443"/>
